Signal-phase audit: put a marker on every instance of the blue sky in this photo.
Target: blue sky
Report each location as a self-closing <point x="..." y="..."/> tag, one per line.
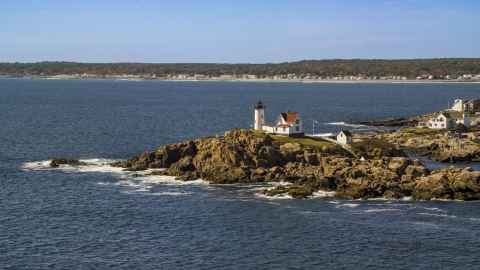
<point x="238" y="31"/>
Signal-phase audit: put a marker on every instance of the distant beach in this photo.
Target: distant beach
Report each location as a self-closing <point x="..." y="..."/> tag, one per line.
<point x="67" y="77"/>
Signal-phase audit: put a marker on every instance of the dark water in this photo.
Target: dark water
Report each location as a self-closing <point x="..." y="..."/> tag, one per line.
<point x="97" y="217"/>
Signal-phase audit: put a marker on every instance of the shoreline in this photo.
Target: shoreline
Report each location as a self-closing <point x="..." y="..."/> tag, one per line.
<point x="60" y="77"/>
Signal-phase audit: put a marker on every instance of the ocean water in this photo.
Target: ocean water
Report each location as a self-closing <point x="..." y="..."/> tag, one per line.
<point x="98" y="217"/>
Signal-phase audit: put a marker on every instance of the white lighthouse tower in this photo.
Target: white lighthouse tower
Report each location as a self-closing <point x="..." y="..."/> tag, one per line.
<point x="259" y="116"/>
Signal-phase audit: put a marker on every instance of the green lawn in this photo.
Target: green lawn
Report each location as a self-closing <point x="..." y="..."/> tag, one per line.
<point x="304" y="141"/>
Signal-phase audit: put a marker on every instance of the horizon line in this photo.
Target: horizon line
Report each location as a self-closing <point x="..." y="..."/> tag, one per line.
<point x="266" y="63"/>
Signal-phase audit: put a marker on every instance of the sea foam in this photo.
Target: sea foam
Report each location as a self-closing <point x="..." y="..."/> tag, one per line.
<point x="100" y="165"/>
<point x="342" y="124"/>
<point x="323" y="194"/>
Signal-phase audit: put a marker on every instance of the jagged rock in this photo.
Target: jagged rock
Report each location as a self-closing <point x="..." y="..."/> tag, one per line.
<point x="438" y="147"/>
<point x="466" y="181"/>
<point x="398" y="165"/>
<point x="271" y="155"/>
<point x="416" y="171"/>
<point x="310" y="157"/>
<point x="290" y="151"/>
<point x="434" y="183"/>
<point x="184" y="165"/>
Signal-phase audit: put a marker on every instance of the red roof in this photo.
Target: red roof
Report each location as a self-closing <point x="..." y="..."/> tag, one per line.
<point x="289" y="116"/>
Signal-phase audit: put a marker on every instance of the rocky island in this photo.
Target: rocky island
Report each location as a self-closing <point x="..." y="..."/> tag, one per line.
<point x="310" y="165"/>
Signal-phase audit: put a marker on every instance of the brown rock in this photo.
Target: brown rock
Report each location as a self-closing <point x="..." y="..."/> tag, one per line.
<point x="416" y="171"/>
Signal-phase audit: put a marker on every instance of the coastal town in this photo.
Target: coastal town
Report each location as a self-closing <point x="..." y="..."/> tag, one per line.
<point x="256" y="77"/>
<point x="308" y="76"/>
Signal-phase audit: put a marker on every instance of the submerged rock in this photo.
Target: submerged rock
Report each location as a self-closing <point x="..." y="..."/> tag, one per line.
<point x="56" y="162"/>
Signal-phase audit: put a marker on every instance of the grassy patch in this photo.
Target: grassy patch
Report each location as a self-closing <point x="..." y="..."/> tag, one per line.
<point x="257" y="133"/>
<point x="304" y="141"/>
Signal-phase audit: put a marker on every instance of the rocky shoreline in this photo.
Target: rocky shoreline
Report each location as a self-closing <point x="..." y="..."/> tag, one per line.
<point x="394" y="122"/>
<point x="435" y="146"/>
<point x="240" y="156"/>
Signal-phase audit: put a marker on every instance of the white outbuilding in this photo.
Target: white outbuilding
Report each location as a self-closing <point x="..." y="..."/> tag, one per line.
<point x="345" y="137"/>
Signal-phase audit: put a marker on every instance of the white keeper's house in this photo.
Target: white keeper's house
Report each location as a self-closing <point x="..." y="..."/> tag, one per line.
<point x="446" y="120"/>
<point x="287" y="124"/>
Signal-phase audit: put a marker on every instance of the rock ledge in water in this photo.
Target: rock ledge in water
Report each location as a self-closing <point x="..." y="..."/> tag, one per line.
<point x="66" y="161"/>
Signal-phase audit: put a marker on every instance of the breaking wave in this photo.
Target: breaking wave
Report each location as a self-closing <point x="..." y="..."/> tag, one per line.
<point x="140" y="181"/>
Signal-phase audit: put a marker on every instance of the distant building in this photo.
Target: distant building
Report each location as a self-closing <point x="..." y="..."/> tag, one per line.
<point x="465" y="105"/>
<point x="450" y="77"/>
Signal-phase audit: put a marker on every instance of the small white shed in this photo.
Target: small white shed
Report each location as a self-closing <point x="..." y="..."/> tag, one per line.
<point x="345" y="137"/>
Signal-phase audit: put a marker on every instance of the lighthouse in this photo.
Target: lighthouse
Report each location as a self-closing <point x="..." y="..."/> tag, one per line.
<point x="259" y="116"/>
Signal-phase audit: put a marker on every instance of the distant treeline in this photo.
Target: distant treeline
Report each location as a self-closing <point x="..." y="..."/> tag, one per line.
<point x="410" y="68"/>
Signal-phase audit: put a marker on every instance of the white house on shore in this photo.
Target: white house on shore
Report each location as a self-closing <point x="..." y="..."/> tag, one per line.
<point x="288" y="124"/>
<point x="345" y="137"/>
<point x="446" y="120"/>
<point x="465" y="105"/>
